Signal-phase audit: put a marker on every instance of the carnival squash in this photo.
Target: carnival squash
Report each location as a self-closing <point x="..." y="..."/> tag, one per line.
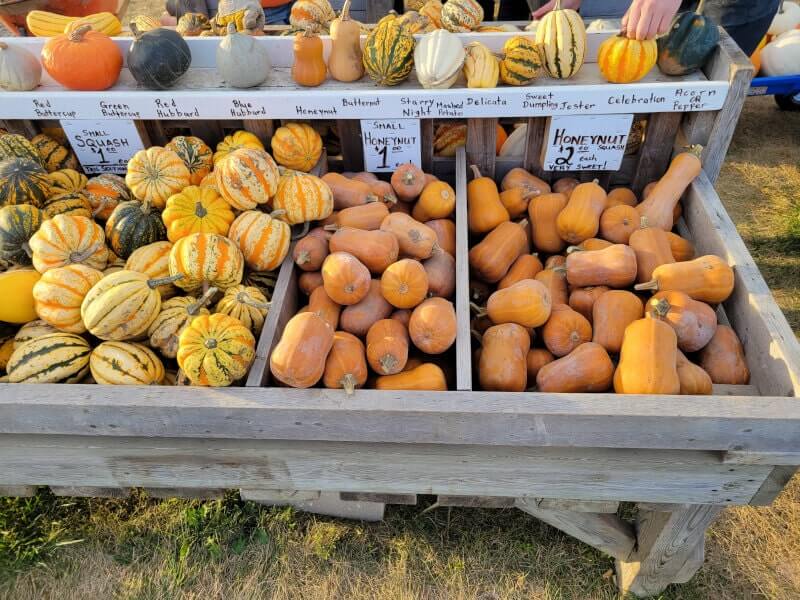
<point x="215" y="350"/>
<point x="461" y="16"/>
<point x="236" y="141"/>
<point x="389" y="53"/>
<point x="196" y="209"/>
<point x="18" y="223"/>
<point x="23" y="181"/>
<point x="297" y="146"/>
<point x="246" y="178"/>
<point x="67" y="180"/>
<point x="588" y="368"/>
<point x="105" y="192"/>
<point x="202" y="260"/>
<point x="176" y="314"/>
<point x="54" y="155"/>
<point x="65" y="240"/>
<point x="612" y="312"/>
<point x="648" y="359"/>
<point x="298" y="360"/>
<point x="246" y="304"/>
<point x="625" y="60"/>
<point x="59" y="293"/>
<point x="153" y="261"/>
<point x="195" y="154"/>
<point x="156" y="174"/>
<point x="133" y="225"/>
<point x="522" y="61"/>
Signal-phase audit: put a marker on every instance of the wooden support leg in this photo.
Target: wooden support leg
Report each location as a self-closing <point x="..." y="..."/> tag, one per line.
<point x="669" y="548"/>
<point x="321" y="503"/>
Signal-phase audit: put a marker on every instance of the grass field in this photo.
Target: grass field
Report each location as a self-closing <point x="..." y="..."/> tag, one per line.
<point x="139" y="548"/>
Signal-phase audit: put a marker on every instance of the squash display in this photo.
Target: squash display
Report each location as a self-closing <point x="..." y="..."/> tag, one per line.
<point x="461" y="16"/>
<point x="204" y="260"/>
<point x="298" y="360"/>
<point x="625" y="60"/>
<point x="54" y="156"/>
<point x="18" y="223"/>
<point x="242" y="60"/>
<point x="59" y="293"/>
<point x="23" y="181"/>
<point x="588" y="368"/>
<point x="659" y="205"/>
<point x="246" y="304"/>
<point x="215" y="350"/>
<point x="16" y="287"/>
<point x="303" y="197"/>
<point x="689" y="44"/>
<point x="176" y="314"/>
<point x="236" y="141"/>
<point x="694" y="322"/>
<point x="707" y="278"/>
<point x="648" y="358"/>
<point x="387" y="346"/>
<point x="562" y="36"/>
<point x="125" y="363"/>
<point x="346" y="61"/>
<point x="65" y="240"/>
<point x="503" y="361"/>
<point x="438" y="59"/>
<point x="121" y="306"/>
<point x="308" y="67"/>
<point x="263" y="240"/>
<point x="133" y="225"/>
<point x="20" y="70"/>
<point x="158" y="58"/>
<point x="389" y="53"/>
<point x="82" y="59"/>
<point x="481" y="67"/>
<point x="156" y="174"/>
<point x="195" y="154"/>
<point x="246" y="178"/>
<point x="522" y="61"/>
<point x="105" y="192"/>
<point x="297" y="146"/>
<point x="51" y="358"/>
<point x="196" y="209"/>
<point x="612" y="312"/>
<point x="723" y="358"/>
<point x="346" y="365"/>
<point x="432" y="326"/>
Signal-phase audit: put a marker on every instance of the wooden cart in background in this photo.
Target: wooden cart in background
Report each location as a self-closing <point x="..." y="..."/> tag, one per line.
<point x="567" y="459"/>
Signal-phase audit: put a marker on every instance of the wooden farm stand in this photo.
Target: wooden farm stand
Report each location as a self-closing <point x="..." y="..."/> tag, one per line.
<point x="567" y="459"/>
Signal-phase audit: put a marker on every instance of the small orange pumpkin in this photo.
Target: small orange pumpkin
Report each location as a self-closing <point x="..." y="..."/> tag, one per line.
<point x="82" y="59"/>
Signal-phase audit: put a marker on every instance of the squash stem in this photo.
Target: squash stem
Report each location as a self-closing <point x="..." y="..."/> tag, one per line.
<point x="331" y="227"/>
<point x="302" y="258"/>
<point x="702" y="4"/>
<point x="476" y="173"/>
<point x="244" y="298"/>
<point x="306" y="228"/>
<point x="76" y="35"/>
<point x="571" y="249"/>
<point x="278" y="212"/>
<point x="79" y="257"/>
<point x="100" y="207"/>
<point x="155" y="283"/>
<point x="345" y="14"/>
<point x="660" y="306"/>
<point x="523" y="223"/>
<point x="348" y="382"/>
<point x="478" y="310"/>
<point x="26" y="248"/>
<point x="650" y="285"/>
<point x="478" y="337"/>
<point x="194" y="308"/>
<point x="388" y="363"/>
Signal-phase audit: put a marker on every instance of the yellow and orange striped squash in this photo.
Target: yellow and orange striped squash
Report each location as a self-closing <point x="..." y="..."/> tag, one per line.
<point x="65" y="240"/>
<point x="304" y="197"/>
<point x="263" y="240"/>
<point x="204" y="260"/>
<point x="246" y="178"/>
<point x="65" y="181"/>
<point x="105" y="192"/>
<point x="59" y="293"/>
<point x="247" y="304"/>
<point x="196" y="209"/>
<point x="623" y="60"/>
<point x="297" y="146"/>
<point x="215" y="350"/>
<point x="153" y="261"/>
<point x="155" y="174"/>
<point x="236" y="141"/>
<point x="175" y="316"/>
<point x="125" y="363"/>
<point x="195" y="154"/>
<point x="461" y="16"/>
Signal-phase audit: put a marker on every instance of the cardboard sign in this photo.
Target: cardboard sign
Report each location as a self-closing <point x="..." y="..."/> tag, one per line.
<point x="586" y="143"/>
<point x="103" y="146"/>
<point x="388" y="144"/>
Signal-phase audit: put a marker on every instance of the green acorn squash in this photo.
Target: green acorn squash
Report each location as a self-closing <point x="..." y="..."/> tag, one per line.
<point x="17" y="224"/>
<point x="23" y="181"/>
<point x="689" y="44"/>
<point x="133" y="225"/>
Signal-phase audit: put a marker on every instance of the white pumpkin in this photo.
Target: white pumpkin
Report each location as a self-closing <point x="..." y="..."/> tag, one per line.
<point x="603" y="25"/>
<point x="438" y="58"/>
<point x="781" y="56"/>
<point x="787" y="17"/>
<point x="515" y="144"/>
<point x="242" y="61"/>
<point x="19" y="69"/>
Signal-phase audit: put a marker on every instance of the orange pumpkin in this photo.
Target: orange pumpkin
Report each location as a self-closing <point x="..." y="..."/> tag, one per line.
<point x="526" y="303"/>
<point x="346" y="365"/>
<point x="432" y="325"/>
<point x="298" y="359"/>
<point x="503" y="360"/>
<point x="580" y="218"/>
<point x="611" y="314"/>
<point x="263" y="240"/>
<point x="588" y="368"/>
<point x="345" y="278"/>
<point x="648" y="359"/>
<point x="82" y="59"/>
<point x="723" y="358"/>
<point x="565" y="330"/>
<point x="405" y="283"/>
<point x="387" y="346"/>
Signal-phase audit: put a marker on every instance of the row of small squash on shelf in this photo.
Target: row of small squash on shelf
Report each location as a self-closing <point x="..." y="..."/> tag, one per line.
<point x="554" y="325"/>
<point x="115" y="283"/>
<point x="379" y="273"/>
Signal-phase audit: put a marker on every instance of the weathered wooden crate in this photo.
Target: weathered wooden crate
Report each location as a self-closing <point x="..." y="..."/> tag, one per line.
<point x="566" y="459"/>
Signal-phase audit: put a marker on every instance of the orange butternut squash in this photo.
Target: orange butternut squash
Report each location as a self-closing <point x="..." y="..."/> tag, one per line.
<point x="375" y="249"/>
<point x="648" y="359"/>
<point x="659" y="205"/>
<point x="503" y="361"/>
<point x="415" y="239"/>
<point x="543" y="212"/>
<point x="387" y="346"/>
<point x="404" y="284"/>
<point x="364" y="216"/>
<point x="681" y="248"/>
<point x="403" y="315"/>
<point x="618" y="222"/>
<point x="298" y="360"/>
<point x="308" y="282"/>
<point x="408" y="181"/>
<point x="614" y="266"/>
<point x="707" y="278"/>
<point x="580" y="219"/>
<point x="536" y="359"/>
<point x="588" y="368"/>
<point x="611" y="314"/>
<point x="619" y="196"/>
<point x="358" y="318"/>
<point x="346" y="365"/>
<point x="526" y="303"/>
<point x="556" y="284"/>
<point x="309" y="252"/>
<point x="525" y="267"/>
<point x="723" y="358"/>
<point x="321" y="304"/>
<point x="565" y="330"/>
<point x="427" y="376"/>
<point x="652" y="249"/>
<point x="432" y="326"/>
<point x="493" y="256"/>
<point x="346" y="61"/>
<point x="520" y="178"/>
<point x="565" y="185"/>
<point x="445" y="230"/>
<point x="441" y="270"/>
<point x="694" y="379"/>
<point x="345" y="278"/>
<point x="348" y="192"/>
<point x="484" y="208"/>
<point x="516" y="201"/>
<point x="308" y="67"/>
<point x="437" y="201"/>
<point x="694" y="322"/>
<point x="583" y="299"/>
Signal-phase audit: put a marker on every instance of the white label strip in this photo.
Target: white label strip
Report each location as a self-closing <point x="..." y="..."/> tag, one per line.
<point x="593" y="143"/>
<point x="103" y="146"/>
<point x="390" y="143"/>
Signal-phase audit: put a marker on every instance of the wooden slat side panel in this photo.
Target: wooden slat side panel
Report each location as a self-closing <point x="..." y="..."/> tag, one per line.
<point x="352" y="148"/>
<point x="426" y="145"/>
<point x="586" y="474"/>
<point x="533" y="146"/>
<point x="772" y="350"/>
<point x="264" y="129"/>
<point x="481" y="140"/>
<point x="463" y="343"/>
<point x="656" y="150"/>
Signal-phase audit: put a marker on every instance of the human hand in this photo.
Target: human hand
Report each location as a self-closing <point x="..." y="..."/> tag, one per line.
<point x="646" y="19"/>
<point x="546" y="8"/>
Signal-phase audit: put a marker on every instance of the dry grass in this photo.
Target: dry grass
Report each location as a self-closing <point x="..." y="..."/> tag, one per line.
<point x="143" y="549"/>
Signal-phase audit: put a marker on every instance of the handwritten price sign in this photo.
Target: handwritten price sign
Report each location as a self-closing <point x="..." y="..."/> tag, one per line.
<point x="388" y="144"/>
<point x="586" y="143"/>
<point x="103" y="146"/>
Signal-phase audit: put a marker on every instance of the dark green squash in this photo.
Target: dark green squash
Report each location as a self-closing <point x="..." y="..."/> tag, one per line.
<point x="157" y="58"/>
<point x="689" y="44"/>
<point x="13" y="145"/>
<point x="23" y="181"/>
<point x="133" y="225"/>
<point x="17" y="224"/>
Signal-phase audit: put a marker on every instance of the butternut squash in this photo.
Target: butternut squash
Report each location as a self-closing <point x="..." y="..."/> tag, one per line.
<point x="376" y="249"/>
<point x="580" y="219"/>
<point x="588" y="368"/>
<point x="611" y="314"/>
<point x="298" y="360"/>
<point x="321" y="305"/>
<point x="565" y="330"/>
<point x="415" y="239"/>
<point x="618" y="222"/>
<point x="493" y="256"/>
<point x="536" y="359"/>
<point x="387" y="346"/>
<point x="525" y="267"/>
<point x="346" y="365"/>
<point x="556" y="283"/>
<point x="445" y="230"/>
<point x="682" y="249"/>
<point x="358" y="318"/>
<point x="659" y="205"/>
<point x="526" y="303"/>
<point x="614" y="266"/>
<point x="484" y="209"/>
<point x="694" y="322"/>
<point x="723" y="358"/>
<point x="582" y="299"/>
<point x="543" y="211"/>
<point x="441" y="270"/>
<point x="648" y="359"/>
<point x="707" y="278"/>
<point x="694" y="379"/>
<point x="503" y="361"/>
<point x="365" y="216"/>
<point x="652" y="249"/>
<point x="432" y="326"/>
<point x="520" y="178"/>
<point x="346" y="61"/>
<point x="348" y="192"/>
<point x="427" y="376"/>
<point x="408" y="181"/>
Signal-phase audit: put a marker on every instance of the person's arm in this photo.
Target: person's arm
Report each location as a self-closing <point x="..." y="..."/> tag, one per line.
<point x="646" y="19"/>
<point x="546" y="8"/>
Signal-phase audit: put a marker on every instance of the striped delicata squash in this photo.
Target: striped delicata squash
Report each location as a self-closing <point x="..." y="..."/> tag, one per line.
<point x="51" y="358"/>
<point x="389" y="52"/>
<point x="46" y="24"/>
<point x="562" y="36"/>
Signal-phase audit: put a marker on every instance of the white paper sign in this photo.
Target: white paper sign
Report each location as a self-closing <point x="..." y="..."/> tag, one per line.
<point x="103" y="146"/>
<point x="388" y="144"/>
<point x="586" y="143"/>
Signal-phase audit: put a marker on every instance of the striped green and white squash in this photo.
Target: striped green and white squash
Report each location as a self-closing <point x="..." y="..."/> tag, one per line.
<point x="121" y="306"/>
<point x="65" y="181"/>
<point x="247" y="304"/>
<point x="51" y="358"/>
<point x="125" y="363"/>
<point x="133" y="225"/>
<point x="18" y="223"/>
<point x="54" y="156"/>
<point x="31" y="331"/>
<point x="175" y="316"/>
<point x="389" y="52"/>
<point x="23" y="181"/>
<point x="562" y="36"/>
<point x="461" y="16"/>
<point x="13" y="145"/>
